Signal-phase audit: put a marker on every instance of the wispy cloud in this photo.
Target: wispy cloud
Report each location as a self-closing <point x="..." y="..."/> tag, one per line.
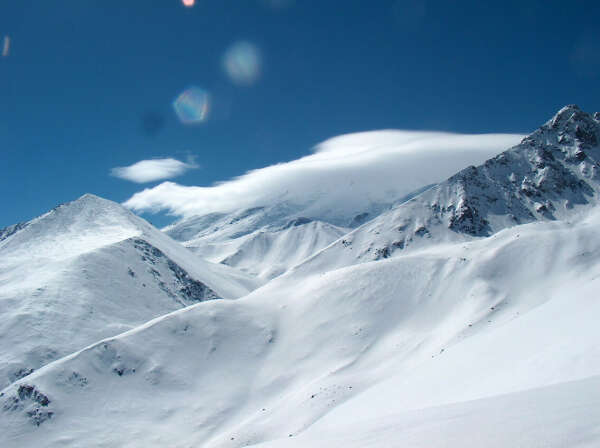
<point x="346" y="173"/>
<point x="152" y="170"/>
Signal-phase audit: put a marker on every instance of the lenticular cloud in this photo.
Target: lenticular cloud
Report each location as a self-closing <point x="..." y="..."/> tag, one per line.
<point x="152" y="170"/>
<point x="350" y="171"/>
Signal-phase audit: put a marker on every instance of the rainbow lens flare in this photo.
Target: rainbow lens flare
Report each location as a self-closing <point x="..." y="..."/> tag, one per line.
<point x="192" y="105"/>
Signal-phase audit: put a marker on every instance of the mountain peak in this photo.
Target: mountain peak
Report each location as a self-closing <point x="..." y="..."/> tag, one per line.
<point x="78" y="226"/>
<point x="550" y="175"/>
<point x="568" y="115"/>
<point x="89" y="197"/>
<point x="94" y="207"/>
<point x="570" y="108"/>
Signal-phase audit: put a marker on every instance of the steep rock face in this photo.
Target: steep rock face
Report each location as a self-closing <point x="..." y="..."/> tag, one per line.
<point x="181" y="287"/>
<point x="551" y="174"/>
<point x="552" y="170"/>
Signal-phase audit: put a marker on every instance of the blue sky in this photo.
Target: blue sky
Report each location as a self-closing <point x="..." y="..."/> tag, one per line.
<point x="88" y="86"/>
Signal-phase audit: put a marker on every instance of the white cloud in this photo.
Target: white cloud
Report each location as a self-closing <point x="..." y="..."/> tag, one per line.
<point x="152" y="170"/>
<point x="345" y="173"/>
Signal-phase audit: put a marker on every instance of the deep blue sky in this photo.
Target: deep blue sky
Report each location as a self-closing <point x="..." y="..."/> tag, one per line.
<point x="82" y="74"/>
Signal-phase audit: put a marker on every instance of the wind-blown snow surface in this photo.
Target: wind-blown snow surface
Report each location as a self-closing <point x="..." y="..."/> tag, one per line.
<point x="377" y="346"/>
<point x="88" y="270"/>
<point x="562" y="415"/>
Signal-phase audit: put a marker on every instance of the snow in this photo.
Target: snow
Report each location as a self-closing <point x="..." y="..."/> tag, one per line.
<point x="268" y="253"/>
<point x="264" y="241"/>
<point x="463" y="317"/>
<point x="91" y="269"/>
<point x="551" y="174"/>
<point x="552" y="417"/>
<point x="309" y="352"/>
<point x="350" y="179"/>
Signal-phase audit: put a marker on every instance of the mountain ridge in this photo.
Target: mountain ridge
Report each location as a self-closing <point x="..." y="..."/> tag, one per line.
<point x="551" y="174"/>
<point x="307" y="347"/>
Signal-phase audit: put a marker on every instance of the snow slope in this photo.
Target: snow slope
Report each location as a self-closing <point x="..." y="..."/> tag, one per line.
<point x="267" y="241"/>
<point x="91" y="269"/>
<point x="268" y="254"/>
<point x="395" y="338"/>
<point x="262" y="242"/>
<point x="561" y="415"/>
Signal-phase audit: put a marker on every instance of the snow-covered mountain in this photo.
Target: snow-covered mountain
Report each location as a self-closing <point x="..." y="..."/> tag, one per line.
<point x="268" y="241"/>
<point x="91" y="269"/>
<point x="347" y="181"/>
<point x="395" y="339"/>
<point x="463" y="317"/>
<point x="262" y="241"/>
<point x="552" y="174"/>
<point x="269" y="253"/>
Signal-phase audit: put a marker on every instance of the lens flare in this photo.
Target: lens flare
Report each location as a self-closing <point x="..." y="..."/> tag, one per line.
<point x="6" y="46"/>
<point x="242" y="63"/>
<point x="188" y="3"/>
<point x="192" y="105"/>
